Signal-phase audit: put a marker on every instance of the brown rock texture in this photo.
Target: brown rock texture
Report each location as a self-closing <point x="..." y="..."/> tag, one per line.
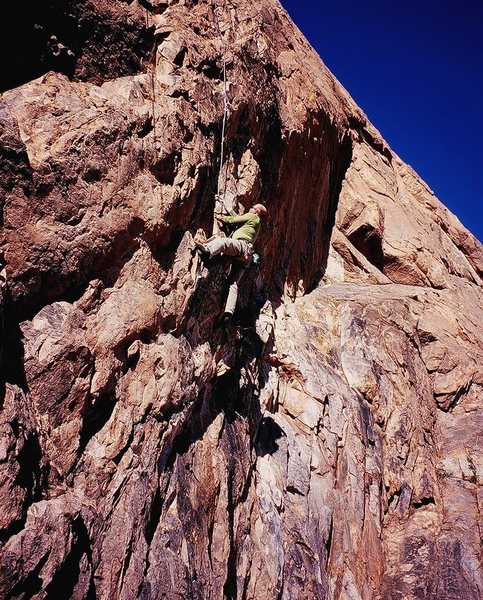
<point x="326" y="445"/>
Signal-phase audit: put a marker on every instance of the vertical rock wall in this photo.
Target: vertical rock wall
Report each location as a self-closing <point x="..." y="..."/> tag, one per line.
<point x="327" y="444"/>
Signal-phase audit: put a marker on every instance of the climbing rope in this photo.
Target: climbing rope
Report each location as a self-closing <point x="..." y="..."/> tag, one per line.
<point x="219" y="195"/>
<point x="222" y="176"/>
<point x="152" y="59"/>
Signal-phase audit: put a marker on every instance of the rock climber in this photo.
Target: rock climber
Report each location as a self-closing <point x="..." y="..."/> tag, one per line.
<point x="239" y="246"/>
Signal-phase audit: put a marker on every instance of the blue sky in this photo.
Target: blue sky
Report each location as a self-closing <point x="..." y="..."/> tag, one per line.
<point x="415" y="67"/>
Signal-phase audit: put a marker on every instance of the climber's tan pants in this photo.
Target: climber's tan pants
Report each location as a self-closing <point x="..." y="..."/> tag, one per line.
<point x="240" y="249"/>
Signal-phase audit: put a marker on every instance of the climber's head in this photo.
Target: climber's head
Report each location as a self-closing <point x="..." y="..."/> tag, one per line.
<point x="258" y="209"/>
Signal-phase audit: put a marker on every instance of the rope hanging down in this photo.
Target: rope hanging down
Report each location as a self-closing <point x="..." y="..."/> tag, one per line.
<point x="221" y="197"/>
<point x="152" y="64"/>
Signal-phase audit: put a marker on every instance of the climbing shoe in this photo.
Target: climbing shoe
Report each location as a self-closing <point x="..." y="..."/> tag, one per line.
<point x="203" y="252"/>
<point x="227" y="318"/>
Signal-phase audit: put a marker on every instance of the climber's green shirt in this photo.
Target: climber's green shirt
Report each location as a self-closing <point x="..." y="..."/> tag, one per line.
<point x="250" y="226"/>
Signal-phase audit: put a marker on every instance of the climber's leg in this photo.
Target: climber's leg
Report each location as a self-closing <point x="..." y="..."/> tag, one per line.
<point x="228" y="246"/>
<point x="236" y="272"/>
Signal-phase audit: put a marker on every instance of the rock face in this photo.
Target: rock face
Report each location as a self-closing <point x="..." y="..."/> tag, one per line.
<point x="327" y="445"/>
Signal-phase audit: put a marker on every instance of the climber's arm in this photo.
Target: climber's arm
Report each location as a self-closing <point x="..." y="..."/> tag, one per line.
<point x="234" y="219"/>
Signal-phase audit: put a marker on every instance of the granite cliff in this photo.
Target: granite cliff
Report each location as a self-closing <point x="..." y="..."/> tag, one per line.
<point x="327" y="445"/>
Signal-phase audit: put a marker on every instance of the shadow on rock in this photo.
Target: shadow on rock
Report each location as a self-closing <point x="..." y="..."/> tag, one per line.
<point x="267" y="435"/>
<point x="12" y="357"/>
